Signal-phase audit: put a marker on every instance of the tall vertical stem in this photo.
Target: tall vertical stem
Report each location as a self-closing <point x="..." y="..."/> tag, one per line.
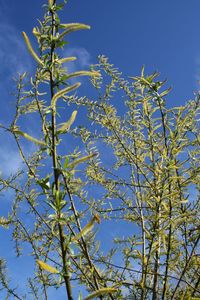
<point x="55" y="162"/>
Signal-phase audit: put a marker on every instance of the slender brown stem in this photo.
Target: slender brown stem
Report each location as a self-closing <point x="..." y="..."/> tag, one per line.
<point x="83" y="245"/>
<point x="66" y="275"/>
<point x="35" y="251"/>
<point x="186" y="265"/>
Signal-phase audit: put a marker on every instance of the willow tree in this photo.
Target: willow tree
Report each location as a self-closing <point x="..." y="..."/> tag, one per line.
<point x="148" y="174"/>
<point x="47" y="188"/>
<point x="136" y="175"/>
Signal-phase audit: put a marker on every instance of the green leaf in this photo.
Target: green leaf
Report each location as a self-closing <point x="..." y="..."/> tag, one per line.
<point x="66" y="162"/>
<point x="60" y="44"/>
<point x="44" y="183"/>
<point x="87" y="228"/>
<point x="59" y="7"/>
<point x="164" y="93"/>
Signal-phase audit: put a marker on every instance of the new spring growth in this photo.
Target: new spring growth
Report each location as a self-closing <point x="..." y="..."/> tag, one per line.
<point x="28" y="137"/>
<point x="62" y="92"/>
<point x="71" y="27"/>
<point x="50" y="2"/>
<point x="36" y="32"/>
<point x="47" y="267"/>
<point x="84" y="73"/>
<point x="81" y="160"/>
<point x="64" y="127"/>
<point x="87" y="228"/>
<point x="30" y="49"/>
<point x="67" y="59"/>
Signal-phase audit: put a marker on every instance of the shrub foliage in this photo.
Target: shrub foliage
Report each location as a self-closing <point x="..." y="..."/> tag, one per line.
<point x="129" y="175"/>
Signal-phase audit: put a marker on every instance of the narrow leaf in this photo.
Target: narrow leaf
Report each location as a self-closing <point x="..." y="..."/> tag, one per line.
<point x="100" y="292"/>
<point x="80" y="297"/>
<point x="47" y="267"/>
<point x="164" y="93"/>
<point x="63" y="92"/>
<point x="64" y="127"/>
<point x="32" y="52"/>
<point x="66" y="162"/>
<point x="87" y="228"/>
<point x="30" y="138"/>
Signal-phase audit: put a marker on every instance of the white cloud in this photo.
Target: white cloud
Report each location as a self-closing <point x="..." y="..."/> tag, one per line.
<point x="82" y="62"/>
<point x="83" y="57"/>
<point x="10" y="160"/>
<point x="13" y="53"/>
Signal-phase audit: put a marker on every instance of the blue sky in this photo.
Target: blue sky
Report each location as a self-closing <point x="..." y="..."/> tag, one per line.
<point x="162" y="35"/>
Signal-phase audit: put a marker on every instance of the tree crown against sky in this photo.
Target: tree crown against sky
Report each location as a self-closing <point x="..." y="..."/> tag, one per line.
<point x="129" y="176"/>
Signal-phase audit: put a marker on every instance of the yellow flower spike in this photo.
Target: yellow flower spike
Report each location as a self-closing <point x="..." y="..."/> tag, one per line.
<point x="47" y="267"/>
<point x="35" y="32"/>
<point x="71" y="27"/>
<point x="50" y="2"/>
<point x="84" y="73"/>
<point x="66" y="59"/>
<point x="64" y="127"/>
<point x="28" y="137"/>
<point x="62" y="92"/>
<point x="81" y="160"/>
<point x="30" y="49"/>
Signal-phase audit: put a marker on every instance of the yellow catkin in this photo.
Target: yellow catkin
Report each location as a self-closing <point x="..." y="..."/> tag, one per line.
<point x="62" y="92"/>
<point x="84" y="73"/>
<point x="66" y="126"/>
<point x="36" y="33"/>
<point x="81" y="160"/>
<point x="30" y="138"/>
<point x="71" y="27"/>
<point x="30" y="49"/>
<point x="50" y="2"/>
<point x="67" y="59"/>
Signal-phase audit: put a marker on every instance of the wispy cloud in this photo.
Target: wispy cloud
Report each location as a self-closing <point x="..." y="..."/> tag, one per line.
<point x="82" y="62"/>
<point x="10" y="160"/>
<point x="13" y="54"/>
<point x="83" y="58"/>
